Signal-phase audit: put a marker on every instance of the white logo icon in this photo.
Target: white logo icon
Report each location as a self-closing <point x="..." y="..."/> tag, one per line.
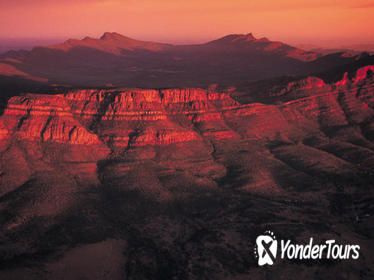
<point x="266" y="248"/>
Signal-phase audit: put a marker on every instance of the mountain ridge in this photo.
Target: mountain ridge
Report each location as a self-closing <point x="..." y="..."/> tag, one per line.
<point x="111" y="42"/>
<point x="116" y="60"/>
<point x="116" y="40"/>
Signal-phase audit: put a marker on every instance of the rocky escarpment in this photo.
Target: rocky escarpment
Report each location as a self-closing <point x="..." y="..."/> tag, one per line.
<point x="174" y="128"/>
<point x="45" y="118"/>
<point x="163" y="176"/>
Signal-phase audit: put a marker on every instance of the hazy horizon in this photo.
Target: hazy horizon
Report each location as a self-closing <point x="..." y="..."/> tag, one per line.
<point x="27" y="43"/>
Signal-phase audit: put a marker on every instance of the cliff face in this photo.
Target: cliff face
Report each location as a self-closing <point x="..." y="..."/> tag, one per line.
<point x="173" y="128"/>
<point x="44" y="118"/>
<point x="129" y="124"/>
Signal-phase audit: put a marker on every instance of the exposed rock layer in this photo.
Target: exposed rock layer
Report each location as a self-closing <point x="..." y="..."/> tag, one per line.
<point x="132" y="123"/>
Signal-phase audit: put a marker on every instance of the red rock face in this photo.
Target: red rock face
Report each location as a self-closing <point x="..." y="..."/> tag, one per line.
<point x="362" y="73"/>
<point x="134" y="124"/>
<point x="158" y="111"/>
<point x="46" y="119"/>
<point x="134" y="117"/>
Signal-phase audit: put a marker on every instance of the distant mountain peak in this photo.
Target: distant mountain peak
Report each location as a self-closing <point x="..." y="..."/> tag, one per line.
<point x="245" y="37"/>
<point x="111" y="36"/>
<point x="263" y="39"/>
<point x="263" y="44"/>
<point x="236" y="38"/>
<point x="110" y="42"/>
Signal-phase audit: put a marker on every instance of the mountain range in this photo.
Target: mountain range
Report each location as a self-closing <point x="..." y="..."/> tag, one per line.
<point x="115" y="60"/>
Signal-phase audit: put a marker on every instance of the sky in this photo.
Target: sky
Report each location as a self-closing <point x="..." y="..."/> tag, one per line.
<point x="329" y="23"/>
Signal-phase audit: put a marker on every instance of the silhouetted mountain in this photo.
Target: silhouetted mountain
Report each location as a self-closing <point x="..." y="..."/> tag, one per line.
<point x="110" y="42"/>
<point x="116" y="60"/>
